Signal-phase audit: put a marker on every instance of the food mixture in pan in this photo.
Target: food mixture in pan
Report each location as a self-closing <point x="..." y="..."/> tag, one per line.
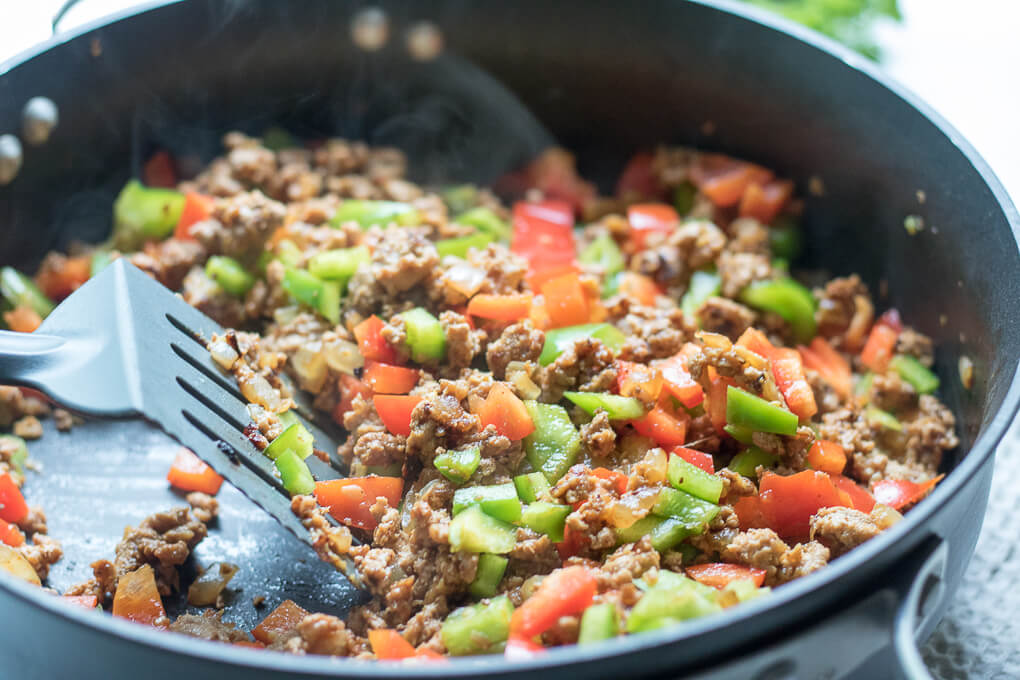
<point x="569" y="416"/>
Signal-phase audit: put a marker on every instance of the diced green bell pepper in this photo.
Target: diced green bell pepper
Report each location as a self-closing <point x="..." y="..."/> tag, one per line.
<point x="692" y="479"/>
<point x="702" y="286"/>
<point x="372" y="213"/>
<point x="460" y="197"/>
<point x="863" y="387"/>
<point x="229" y="275"/>
<point x="785" y="239"/>
<point x="287" y="418"/>
<point x="747" y="461"/>
<point x="339" y="264"/>
<point x="599" y="622"/>
<point x="425" y="338"/>
<point x="744" y="409"/>
<point x="100" y="260"/>
<point x="458" y="465"/>
<point x="611" y="285"/>
<point x="476" y="628"/>
<point x="303" y="287"/>
<point x="143" y="213"/>
<point x="546" y="518"/>
<point x="329" y="301"/>
<point x="604" y="253"/>
<point x="460" y="245"/>
<point x="877" y="416"/>
<point x="915" y="373"/>
<point x="288" y="253"/>
<point x="294" y="437"/>
<point x="21" y="291"/>
<point x="532" y="487"/>
<point x="490" y="572"/>
<point x="17" y="451"/>
<point x="787" y="298"/>
<point x="744" y="589"/>
<point x="483" y="219"/>
<point x="693" y="512"/>
<point x="743" y="435"/>
<point x="666" y="604"/>
<point x="294" y="473"/>
<point x="497" y="500"/>
<point x="558" y="340"/>
<point x="683" y="198"/>
<point x="474" y="531"/>
<point x="615" y="406"/>
<point x="553" y="447"/>
<point x="665" y="532"/>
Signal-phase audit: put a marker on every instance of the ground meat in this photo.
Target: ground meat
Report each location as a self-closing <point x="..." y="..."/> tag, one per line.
<point x="34" y="522"/>
<point x="327" y="635"/>
<point x="163" y="540"/>
<point x="41" y="553"/>
<point x="63" y="420"/>
<point x="890" y="392"/>
<point x="721" y="532"/>
<point x="791" y="450"/>
<point x="928" y="434"/>
<point x="518" y="342"/>
<point x="533" y="555"/>
<point x="203" y="506"/>
<point x="842" y="529"/>
<point x="102" y="585"/>
<point x="748" y="235"/>
<point x="691" y="246"/>
<point x="722" y="315"/>
<point x="763" y="549"/>
<point x="379" y="449"/>
<point x="440" y="420"/>
<point x="826" y="396"/>
<point x="201" y="292"/>
<point x="169" y="261"/>
<point x="402" y="261"/>
<point x="240" y="225"/>
<point x="735" y="485"/>
<point x="627" y="564"/>
<point x="653" y="332"/>
<point x="737" y="270"/>
<point x="586" y="366"/>
<point x="209" y="625"/>
<point x="463" y="343"/>
<point x="729" y="364"/>
<point x="850" y="429"/>
<point x="28" y="427"/>
<point x="598" y="438"/>
<point x="845" y="312"/>
<point x="916" y="345"/>
<point x="592" y="498"/>
<point x="329" y="541"/>
<point x="14" y="404"/>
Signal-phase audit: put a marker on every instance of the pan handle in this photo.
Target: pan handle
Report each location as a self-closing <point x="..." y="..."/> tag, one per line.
<point x="924" y="591"/>
<point x="61" y="13"/>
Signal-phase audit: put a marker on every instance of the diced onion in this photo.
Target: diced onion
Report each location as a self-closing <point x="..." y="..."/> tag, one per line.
<point x="465" y="279"/>
<point x="860" y="323"/>
<point x="284" y="315"/>
<point x="208" y="587"/>
<point x="752" y="358"/>
<point x="309" y="363"/>
<point x="257" y="389"/>
<point x="966" y="368"/>
<point x="519" y="376"/>
<point x="633" y="506"/>
<point x="222" y="353"/>
<point x="715" y="340"/>
<point x="884" y="516"/>
<point x="342" y="355"/>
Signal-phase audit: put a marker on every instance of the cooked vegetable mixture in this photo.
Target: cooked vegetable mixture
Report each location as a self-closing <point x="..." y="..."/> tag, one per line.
<point x="569" y="416"/>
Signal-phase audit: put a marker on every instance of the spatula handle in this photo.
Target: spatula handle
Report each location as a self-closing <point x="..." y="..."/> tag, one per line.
<point x="24" y="357"/>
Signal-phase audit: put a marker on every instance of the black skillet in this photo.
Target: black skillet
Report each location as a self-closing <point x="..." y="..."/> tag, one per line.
<point x="604" y="79"/>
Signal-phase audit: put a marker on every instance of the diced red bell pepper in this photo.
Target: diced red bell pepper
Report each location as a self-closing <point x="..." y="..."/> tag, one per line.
<point x="22" y="319"/>
<point x="512" y="307"/>
<point x="754" y="340"/>
<point x="716" y="406"/>
<point x="160" y="171"/>
<point x="506" y="412"/>
<point x="137" y="598"/>
<point x="827" y="456"/>
<point x="565" y="301"/>
<point x="395" y="411"/>
<point x="639" y="181"/>
<point x="572" y="543"/>
<point x="371" y="342"/>
<point x="677" y="379"/>
<point x="387" y="379"/>
<point x="61" y="276"/>
<point x="640" y="381"/>
<point x="12" y="504"/>
<point x="197" y="208"/>
<point x="765" y="201"/>
<point x="821" y="357"/>
<point x="554" y="172"/>
<point x="11" y="535"/>
<point x="751" y="512"/>
<point x="350" y="500"/>
<point x="562" y="593"/>
<point x="859" y="496"/>
<point x="639" y="287"/>
<point x="881" y="343"/>
<point x="721" y="574"/>
<point x="190" y="473"/>
<point x="519" y="648"/>
<point x="541" y="271"/>
<point x="650" y="218"/>
<point x="663" y="424"/>
<point x="724" y="180"/>
<point x="280" y="622"/>
<point x="788" y="502"/>
<point x="788" y="371"/>
<point x="698" y="459"/>
<point x="618" y="479"/>
<point x="84" y="601"/>
<point x="388" y="644"/>
<point x="902" y="493"/>
<point x="427" y="654"/>
<point x="350" y="387"/>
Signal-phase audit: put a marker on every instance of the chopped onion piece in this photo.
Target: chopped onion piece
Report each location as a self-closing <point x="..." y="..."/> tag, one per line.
<point x="222" y="353"/>
<point x="633" y="506"/>
<point x="257" y="389"/>
<point x="519" y="376"/>
<point x="752" y="358"/>
<point x="309" y="364"/>
<point x="208" y="587"/>
<point x="884" y="516"/>
<point x="284" y="315"/>
<point x="465" y="279"/>
<point x="716" y="340"/>
<point x="966" y="368"/>
<point x="342" y="356"/>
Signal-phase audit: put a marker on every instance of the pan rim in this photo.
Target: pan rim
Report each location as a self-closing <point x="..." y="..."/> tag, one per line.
<point x="907" y="533"/>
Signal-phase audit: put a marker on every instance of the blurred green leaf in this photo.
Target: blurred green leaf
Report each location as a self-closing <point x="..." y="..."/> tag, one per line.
<point x="848" y="21"/>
